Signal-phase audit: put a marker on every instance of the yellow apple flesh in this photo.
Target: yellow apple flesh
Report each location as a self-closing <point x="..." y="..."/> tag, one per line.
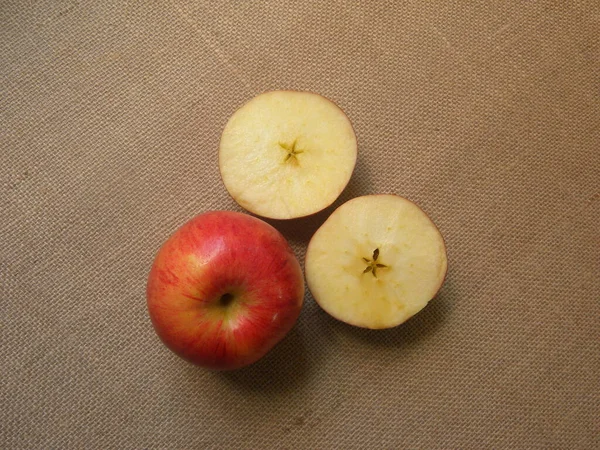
<point x="376" y="261"/>
<point x="287" y="154"/>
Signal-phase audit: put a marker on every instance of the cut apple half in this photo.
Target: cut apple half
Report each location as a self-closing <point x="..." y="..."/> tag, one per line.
<point x="287" y="154"/>
<point x="376" y="261"/>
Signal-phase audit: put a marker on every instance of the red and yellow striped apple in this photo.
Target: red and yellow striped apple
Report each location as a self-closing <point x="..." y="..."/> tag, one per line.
<point x="224" y="289"/>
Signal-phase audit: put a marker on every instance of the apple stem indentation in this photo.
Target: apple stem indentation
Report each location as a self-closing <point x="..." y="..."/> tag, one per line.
<point x="291" y="149"/>
<point x="226" y="300"/>
<point x="373" y="265"/>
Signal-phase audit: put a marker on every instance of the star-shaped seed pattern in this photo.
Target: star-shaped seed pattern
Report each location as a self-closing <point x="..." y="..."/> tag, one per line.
<point x="373" y="265"/>
<point x="291" y="149"/>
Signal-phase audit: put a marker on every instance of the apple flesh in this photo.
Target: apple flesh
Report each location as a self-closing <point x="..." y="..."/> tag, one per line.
<point x="287" y="154"/>
<point x="376" y="261"/>
<point x="224" y="289"/>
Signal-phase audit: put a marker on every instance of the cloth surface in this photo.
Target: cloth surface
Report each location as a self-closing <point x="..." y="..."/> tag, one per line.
<point x="485" y="113"/>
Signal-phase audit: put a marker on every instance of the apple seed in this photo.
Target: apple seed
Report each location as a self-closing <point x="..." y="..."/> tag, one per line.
<point x="291" y="149"/>
<point x="373" y="265"/>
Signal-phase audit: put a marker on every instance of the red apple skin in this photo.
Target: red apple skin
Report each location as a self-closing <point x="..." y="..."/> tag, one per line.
<point x="219" y="253"/>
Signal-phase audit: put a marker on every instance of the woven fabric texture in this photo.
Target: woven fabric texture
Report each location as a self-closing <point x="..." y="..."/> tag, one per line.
<point x="485" y="113"/>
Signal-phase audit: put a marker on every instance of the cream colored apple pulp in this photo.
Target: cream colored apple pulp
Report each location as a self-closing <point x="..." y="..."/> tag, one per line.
<point x="376" y="261"/>
<point x="287" y="154"/>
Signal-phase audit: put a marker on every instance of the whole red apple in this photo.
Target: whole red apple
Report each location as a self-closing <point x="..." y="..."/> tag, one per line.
<point x="224" y="289"/>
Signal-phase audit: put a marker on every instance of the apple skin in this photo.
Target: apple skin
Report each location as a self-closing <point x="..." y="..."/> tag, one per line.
<point x="224" y="289"/>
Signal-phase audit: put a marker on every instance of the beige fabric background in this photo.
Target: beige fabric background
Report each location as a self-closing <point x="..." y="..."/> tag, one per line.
<point x="486" y="113"/>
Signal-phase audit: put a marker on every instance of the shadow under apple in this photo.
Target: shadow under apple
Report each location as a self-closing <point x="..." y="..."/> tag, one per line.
<point x="286" y="367"/>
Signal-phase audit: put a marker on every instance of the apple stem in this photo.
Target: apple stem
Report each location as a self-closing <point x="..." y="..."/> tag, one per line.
<point x="226" y="300"/>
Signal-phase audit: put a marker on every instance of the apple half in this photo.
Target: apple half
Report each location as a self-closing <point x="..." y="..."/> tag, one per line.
<point x="287" y="154"/>
<point x="376" y="261"/>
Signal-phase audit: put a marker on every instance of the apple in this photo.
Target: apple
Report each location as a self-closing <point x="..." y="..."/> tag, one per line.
<point x="376" y="261"/>
<point x="224" y="289"/>
<point x="287" y="154"/>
